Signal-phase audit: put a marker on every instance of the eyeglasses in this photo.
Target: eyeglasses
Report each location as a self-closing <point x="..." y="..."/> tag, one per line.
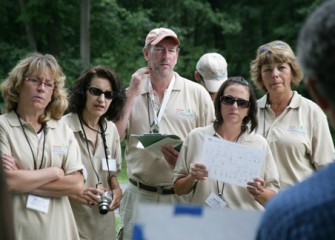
<point x="160" y="49"/>
<point x="97" y="92"/>
<point x="228" y="100"/>
<point x="37" y="82"/>
<point x="268" y="46"/>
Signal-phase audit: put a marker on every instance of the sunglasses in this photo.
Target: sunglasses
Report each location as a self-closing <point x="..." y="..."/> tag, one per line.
<point x="227" y="100"/>
<point x="268" y="46"/>
<point x="97" y="92"/>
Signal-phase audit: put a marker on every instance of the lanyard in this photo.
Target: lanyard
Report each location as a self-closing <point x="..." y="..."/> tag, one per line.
<point x="158" y="115"/>
<point x="102" y="133"/>
<point x="89" y="152"/>
<point x="31" y="149"/>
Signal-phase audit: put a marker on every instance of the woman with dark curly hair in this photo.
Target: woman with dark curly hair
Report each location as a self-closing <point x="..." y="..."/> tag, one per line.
<point x="96" y="99"/>
<point x="236" y="118"/>
<point x="40" y="154"/>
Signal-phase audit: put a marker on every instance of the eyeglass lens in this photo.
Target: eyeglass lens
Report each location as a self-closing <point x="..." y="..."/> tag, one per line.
<point x="227" y="100"/>
<point x="97" y="92"/>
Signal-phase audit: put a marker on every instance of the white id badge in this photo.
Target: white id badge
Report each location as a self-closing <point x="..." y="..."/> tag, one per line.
<point x="111" y="165"/>
<point x="214" y="201"/>
<point x="38" y="203"/>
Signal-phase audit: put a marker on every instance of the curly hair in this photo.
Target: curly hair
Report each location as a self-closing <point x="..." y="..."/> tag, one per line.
<point x="37" y="64"/>
<point x="77" y="99"/>
<point x="252" y="113"/>
<point x="275" y="52"/>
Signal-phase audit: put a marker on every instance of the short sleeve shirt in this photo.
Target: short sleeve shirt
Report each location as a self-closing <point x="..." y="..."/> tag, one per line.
<point x="236" y="197"/>
<point x="61" y="150"/>
<point x="188" y="107"/>
<point x="91" y="224"/>
<point x="299" y="138"/>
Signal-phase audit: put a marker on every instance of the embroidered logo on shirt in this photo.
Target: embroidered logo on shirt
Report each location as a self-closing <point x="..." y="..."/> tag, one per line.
<point x="297" y="129"/>
<point x="59" y="149"/>
<point x="185" y="113"/>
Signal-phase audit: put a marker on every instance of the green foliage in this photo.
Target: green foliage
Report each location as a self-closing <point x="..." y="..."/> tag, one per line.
<point x="118" y="29"/>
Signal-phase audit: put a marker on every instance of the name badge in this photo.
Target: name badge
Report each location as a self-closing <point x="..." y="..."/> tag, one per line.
<point x="214" y="201"/>
<point x="111" y="167"/>
<point x="38" y="203"/>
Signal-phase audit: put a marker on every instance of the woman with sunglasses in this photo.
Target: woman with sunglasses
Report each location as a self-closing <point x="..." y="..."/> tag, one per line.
<point x="296" y="128"/>
<point x="96" y="99"/>
<point x="236" y="118"/>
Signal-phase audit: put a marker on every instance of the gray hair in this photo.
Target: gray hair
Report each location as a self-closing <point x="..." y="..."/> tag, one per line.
<point x="316" y="48"/>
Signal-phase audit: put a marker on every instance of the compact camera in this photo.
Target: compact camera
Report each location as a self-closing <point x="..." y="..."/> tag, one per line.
<point x="105" y="200"/>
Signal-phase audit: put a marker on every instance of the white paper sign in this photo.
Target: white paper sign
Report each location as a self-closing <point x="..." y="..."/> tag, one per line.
<point x="231" y="162"/>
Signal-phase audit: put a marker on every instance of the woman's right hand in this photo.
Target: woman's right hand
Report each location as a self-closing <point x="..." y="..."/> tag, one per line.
<point x="9" y="163"/>
<point x="198" y="171"/>
<point x="89" y="197"/>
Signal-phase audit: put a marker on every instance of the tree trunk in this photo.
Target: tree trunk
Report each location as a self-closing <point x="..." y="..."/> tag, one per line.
<point x="29" y="28"/>
<point x="85" y="33"/>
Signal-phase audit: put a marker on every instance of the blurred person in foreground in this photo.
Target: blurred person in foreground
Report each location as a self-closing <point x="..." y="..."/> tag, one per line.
<point x="211" y="72"/>
<point x="295" y="127"/>
<point x="7" y="224"/>
<point x="306" y="210"/>
<point x="236" y="118"/>
<point x="96" y="99"/>
<point x="40" y="154"/>
<point x="159" y="100"/>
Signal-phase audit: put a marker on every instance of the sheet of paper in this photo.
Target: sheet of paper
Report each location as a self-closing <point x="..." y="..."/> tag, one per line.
<point x="231" y="162"/>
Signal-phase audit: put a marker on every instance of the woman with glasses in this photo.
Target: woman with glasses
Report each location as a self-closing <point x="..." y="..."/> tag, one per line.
<point x="96" y="99"/>
<point x="295" y="127"/>
<point x="236" y="118"/>
<point x="40" y="155"/>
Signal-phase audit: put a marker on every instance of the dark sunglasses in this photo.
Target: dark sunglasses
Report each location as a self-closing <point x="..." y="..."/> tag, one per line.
<point x="97" y="92"/>
<point x="268" y="46"/>
<point x="227" y="100"/>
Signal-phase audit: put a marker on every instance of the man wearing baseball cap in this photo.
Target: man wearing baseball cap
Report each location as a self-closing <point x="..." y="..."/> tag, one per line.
<point x="211" y="72"/>
<point x="160" y="101"/>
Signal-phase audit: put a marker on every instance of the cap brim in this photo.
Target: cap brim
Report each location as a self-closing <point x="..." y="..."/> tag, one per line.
<point x="162" y="36"/>
<point x="213" y="85"/>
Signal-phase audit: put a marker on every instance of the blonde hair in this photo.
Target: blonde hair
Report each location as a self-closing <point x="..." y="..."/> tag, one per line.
<point x="36" y="63"/>
<point x="275" y="52"/>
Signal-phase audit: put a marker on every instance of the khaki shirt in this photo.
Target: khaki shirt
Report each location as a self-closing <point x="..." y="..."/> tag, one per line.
<point x="61" y="150"/>
<point x="236" y="197"/>
<point x="189" y="106"/>
<point x="299" y="138"/>
<point x="91" y="224"/>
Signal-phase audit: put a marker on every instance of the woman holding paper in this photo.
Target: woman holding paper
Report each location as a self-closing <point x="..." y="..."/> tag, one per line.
<point x="236" y="118"/>
<point x="97" y="98"/>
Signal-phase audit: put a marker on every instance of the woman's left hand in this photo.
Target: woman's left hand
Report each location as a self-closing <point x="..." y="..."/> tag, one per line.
<point x="117" y="196"/>
<point x="256" y="188"/>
